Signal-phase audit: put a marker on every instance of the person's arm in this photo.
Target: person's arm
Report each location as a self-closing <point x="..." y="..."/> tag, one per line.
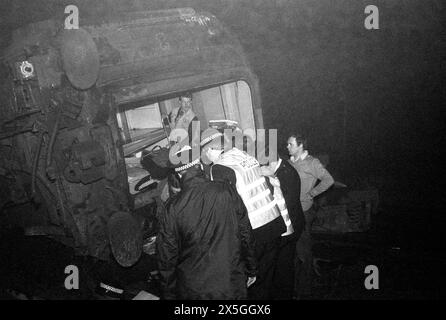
<point x="167" y="249"/>
<point x="326" y="180"/>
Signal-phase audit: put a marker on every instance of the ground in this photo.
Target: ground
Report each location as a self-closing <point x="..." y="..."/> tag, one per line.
<point x="408" y="268"/>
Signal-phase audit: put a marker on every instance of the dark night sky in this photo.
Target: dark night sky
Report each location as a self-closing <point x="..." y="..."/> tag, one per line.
<point x="318" y="65"/>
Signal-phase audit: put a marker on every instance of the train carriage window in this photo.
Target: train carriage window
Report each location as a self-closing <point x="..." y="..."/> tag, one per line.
<point x="231" y="101"/>
<point x="144" y="125"/>
<point x="135" y="123"/>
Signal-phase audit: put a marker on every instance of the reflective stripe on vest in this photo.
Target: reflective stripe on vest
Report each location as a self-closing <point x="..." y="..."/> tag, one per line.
<point x="278" y="195"/>
<point x="259" y="196"/>
<point x="251" y="186"/>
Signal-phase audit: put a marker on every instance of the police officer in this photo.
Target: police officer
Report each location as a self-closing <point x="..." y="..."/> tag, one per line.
<point x="241" y="170"/>
<point x="205" y="246"/>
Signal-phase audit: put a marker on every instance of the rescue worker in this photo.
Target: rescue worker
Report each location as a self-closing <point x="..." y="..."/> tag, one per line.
<point x="182" y="118"/>
<point x="205" y="247"/>
<point x="286" y="183"/>
<point x="238" y="168"/>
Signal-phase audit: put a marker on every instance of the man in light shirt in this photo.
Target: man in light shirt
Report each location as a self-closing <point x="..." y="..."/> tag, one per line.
<point x="310" y="171"/>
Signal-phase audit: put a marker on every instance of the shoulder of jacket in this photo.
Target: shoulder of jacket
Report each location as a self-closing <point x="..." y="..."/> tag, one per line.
<point x="286" y="167"/>
<point x="286" y="163"/>
<point x="218" y="188"/>
<point x="312" y="160"/>
<point x="219" y="166"/>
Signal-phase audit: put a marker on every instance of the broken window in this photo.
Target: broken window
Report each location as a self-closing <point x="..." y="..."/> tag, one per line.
<point x="146" y="124"/>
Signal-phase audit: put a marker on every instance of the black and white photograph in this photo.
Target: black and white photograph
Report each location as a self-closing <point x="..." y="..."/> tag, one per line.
<point x="239" y="152"/>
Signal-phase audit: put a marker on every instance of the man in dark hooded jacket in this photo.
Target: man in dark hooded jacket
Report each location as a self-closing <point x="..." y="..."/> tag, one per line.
<point x="204" y="245"/>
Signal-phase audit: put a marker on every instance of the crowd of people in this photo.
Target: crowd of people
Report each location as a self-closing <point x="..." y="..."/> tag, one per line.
<point x="234" y="229"/>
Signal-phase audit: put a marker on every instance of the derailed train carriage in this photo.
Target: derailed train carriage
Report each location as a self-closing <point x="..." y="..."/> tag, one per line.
<point x="78" y="107"/>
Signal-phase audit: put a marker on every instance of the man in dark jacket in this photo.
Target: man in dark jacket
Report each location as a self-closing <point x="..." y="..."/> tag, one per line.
<point x="204" y="245"/>
<point x="285" y="270"/>
<point x="290" y="185"/>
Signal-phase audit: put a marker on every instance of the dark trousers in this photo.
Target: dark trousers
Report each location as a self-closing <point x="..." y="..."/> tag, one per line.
<point x="266" y="255"/>
<point x="304" y="259"/>
<point x="284" y="273"/>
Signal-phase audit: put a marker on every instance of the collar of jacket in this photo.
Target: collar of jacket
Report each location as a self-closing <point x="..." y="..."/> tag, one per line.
<point x="279" y="163"/>
<point x="301" y="157"/>
<point x="192" y="177"/>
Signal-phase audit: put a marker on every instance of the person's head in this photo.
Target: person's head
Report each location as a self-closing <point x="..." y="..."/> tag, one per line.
<point x="185" y="161"/>
<point x="186" y="100"/>
<point x="296" y="144"/>
<point x="212" y="145"/>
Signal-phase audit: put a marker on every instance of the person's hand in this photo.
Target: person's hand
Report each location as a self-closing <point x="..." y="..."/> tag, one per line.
<point x="250" y="281"/>
<point x="310" y="195"/>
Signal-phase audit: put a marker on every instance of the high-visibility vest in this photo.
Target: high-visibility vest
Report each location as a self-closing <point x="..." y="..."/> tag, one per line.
<point x="251" y="186"/>
<point x="278" y="196"/>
